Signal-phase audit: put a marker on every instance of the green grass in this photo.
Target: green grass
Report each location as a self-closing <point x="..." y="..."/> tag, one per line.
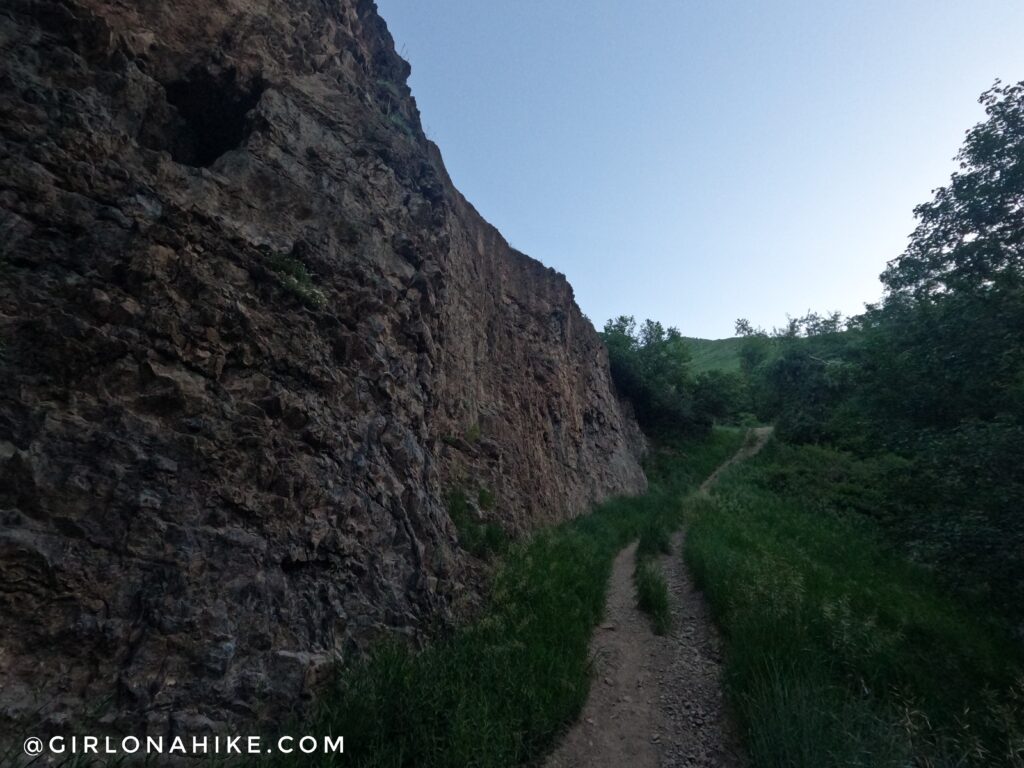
<point x="485" y="498"/>
<point x="652" y="594"/>
<point x="498" y="691"/>
<point x="655" y="537"/>
<point x="651" y="587"/>
<point x="677" y="465"/>
<point x="839" y="651"/>
<point x="715" y="354"/>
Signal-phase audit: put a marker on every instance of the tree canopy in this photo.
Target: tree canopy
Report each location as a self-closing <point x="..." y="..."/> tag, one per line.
<point x="970" y="237"/>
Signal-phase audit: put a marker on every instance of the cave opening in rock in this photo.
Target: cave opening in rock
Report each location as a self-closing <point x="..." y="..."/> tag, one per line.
<point x="213" y="109"/>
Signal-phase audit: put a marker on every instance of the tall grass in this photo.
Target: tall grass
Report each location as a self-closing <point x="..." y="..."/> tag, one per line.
<point x="676" y="465"/>
<point x="839" y="651"/>
<point x="652" y="595"/>
<point x="656" y="535"/>
<point x="498" y="691"/>
<point x="651" y="587"/>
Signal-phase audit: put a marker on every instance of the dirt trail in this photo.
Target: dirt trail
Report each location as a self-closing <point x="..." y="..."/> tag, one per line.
<point x="756" y="440"/>
<point x="656" y="701"/>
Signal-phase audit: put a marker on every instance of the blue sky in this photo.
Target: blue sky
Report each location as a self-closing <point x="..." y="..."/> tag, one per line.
<point x="695" y="161"/>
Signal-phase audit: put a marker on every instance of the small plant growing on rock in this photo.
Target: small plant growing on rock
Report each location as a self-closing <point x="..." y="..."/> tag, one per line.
<point x="485" y="498"/>
<point x="479" y="538"/>
<point x="295" y="278"/>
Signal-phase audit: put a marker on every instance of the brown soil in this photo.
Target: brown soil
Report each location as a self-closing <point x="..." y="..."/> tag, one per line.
<point x="656" y="701"/>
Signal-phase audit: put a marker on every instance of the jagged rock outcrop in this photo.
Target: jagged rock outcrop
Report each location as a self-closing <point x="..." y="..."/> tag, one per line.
<point x="250" y="336"/>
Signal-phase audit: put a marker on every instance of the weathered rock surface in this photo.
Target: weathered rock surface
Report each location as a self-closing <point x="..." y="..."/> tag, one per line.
<point x="250" y="336"/>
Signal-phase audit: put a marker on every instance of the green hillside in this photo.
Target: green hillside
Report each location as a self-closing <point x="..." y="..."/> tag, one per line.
<point x="715" y="354"/>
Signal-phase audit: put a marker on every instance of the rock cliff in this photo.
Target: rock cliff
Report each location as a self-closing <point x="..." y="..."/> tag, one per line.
<point x="250" y="338"/>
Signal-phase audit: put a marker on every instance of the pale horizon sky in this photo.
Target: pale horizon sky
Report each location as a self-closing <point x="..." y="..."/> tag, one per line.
<point x="695" y="161"/>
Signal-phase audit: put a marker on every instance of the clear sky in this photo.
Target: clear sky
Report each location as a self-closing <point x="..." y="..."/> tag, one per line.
<point x="695" y="161"/>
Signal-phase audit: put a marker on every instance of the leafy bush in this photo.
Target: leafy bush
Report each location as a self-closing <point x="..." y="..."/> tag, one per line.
<point x="724" y="396"/>
<point x="678" y="463"/>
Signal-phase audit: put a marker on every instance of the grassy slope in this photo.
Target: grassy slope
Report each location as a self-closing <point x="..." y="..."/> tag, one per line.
<point x="715" y="354"/>
<point x="498" y="691"/>
<point x="839" y="651"/>
<point x="724" y="354"/>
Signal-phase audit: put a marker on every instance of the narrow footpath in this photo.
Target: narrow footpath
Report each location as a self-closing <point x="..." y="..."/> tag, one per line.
<point x="656" y="701"/>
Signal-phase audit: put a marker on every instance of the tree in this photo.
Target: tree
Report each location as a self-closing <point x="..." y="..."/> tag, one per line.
<point x="651" y="368"/>
<point x="744" y="328"/>
<point x="971" y="235"/>
<point x="722" y="394"/>
<point x="945" y="346"/>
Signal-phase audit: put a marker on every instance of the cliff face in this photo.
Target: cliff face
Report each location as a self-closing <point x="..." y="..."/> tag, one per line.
<point x="250" y="338"/>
